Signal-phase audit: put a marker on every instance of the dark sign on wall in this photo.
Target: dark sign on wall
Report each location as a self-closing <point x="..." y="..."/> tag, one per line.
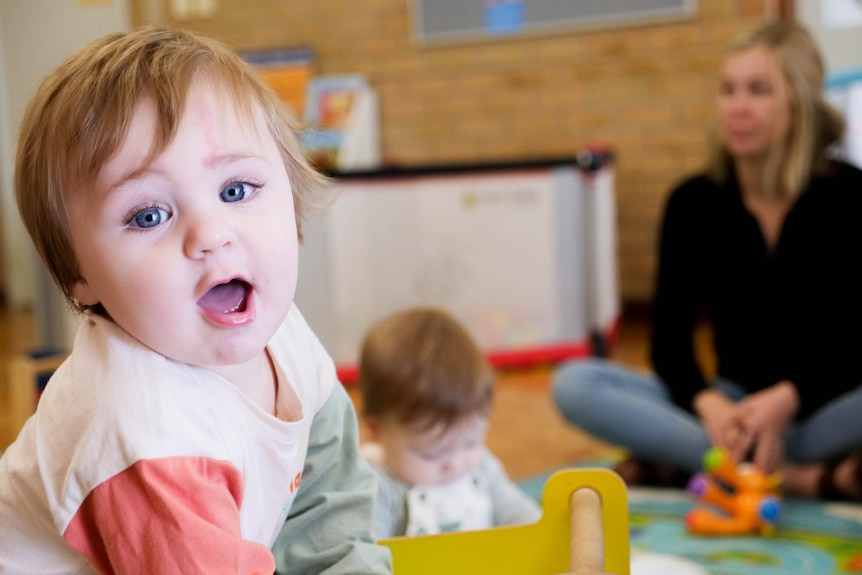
<point x="454" y="21"/>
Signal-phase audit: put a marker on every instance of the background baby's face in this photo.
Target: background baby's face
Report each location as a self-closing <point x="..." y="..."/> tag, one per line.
<point x="434" y="456"/>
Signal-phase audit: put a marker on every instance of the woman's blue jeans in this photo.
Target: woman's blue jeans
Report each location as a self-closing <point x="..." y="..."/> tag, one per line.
<point x="634" y="411"/>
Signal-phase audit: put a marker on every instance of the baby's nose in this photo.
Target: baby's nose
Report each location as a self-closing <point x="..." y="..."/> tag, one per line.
<point x="207" y="235"/>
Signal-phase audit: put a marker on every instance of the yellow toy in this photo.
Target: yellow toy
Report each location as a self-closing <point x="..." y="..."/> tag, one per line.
<point x="749" y="496"/>
<point x="584" y="529"/>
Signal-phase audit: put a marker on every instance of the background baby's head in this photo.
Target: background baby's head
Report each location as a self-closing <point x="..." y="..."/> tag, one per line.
<point x="427" y="391"/>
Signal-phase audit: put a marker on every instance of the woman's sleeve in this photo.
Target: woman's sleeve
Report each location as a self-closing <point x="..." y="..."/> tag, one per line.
<point x="675" y="302"/>
<point x="328" y="531"/>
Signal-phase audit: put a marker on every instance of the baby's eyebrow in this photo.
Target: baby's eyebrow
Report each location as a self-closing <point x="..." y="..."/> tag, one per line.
<point x="222" y="159"/>
<point x="136" y="174"/>
<point x="210" y="161"/>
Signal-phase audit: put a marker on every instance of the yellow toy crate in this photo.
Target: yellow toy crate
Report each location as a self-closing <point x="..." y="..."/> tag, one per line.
<point x="584" y="529"/>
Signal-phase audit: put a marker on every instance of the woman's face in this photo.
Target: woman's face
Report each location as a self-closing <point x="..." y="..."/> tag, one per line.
<point x="754" y="107"/>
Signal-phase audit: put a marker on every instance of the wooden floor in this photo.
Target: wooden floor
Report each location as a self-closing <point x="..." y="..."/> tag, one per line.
<point x="17" y="335"/>
<point x="526" y="433"/>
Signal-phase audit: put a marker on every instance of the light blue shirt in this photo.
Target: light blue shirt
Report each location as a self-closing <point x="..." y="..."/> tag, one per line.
<point x="509" y="505"/>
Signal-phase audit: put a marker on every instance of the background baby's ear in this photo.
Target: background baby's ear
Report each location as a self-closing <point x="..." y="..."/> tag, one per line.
<point x="372" y="424"/>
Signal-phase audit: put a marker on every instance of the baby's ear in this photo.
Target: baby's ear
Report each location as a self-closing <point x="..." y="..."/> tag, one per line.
<point x="82" y="292"/>
<point x="372" y="424"/>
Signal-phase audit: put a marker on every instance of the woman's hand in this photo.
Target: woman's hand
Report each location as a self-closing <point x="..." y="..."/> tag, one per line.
<point x="764" y="416"/>
<point x="721" y="420"/>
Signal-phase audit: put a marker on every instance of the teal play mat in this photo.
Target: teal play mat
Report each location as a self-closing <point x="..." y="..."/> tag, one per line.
<point x="812" y="537"/>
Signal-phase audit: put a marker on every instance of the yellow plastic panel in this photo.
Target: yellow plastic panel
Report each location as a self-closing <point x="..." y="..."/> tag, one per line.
<point x="538" y="549"/>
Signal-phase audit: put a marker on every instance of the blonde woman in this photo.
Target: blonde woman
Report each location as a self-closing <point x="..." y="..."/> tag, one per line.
<point x="764" y="244"/>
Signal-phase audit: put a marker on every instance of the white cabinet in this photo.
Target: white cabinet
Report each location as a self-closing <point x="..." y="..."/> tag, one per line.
<point x="524" y="255"/>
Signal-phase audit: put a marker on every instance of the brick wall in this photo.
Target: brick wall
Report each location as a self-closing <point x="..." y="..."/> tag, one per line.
<point x="646" y="91"/>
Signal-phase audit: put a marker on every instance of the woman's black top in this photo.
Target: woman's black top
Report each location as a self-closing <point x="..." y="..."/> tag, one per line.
<point x="793" y="312"/>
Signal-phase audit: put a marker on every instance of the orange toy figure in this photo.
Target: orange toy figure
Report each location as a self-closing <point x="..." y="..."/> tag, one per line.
<point x="749" y="496"/>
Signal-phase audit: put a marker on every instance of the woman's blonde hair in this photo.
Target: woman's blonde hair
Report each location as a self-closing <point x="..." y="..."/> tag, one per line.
<point x="816" y="125"/>
<point x="420" y="367"/>
<point x="81" y="112"/>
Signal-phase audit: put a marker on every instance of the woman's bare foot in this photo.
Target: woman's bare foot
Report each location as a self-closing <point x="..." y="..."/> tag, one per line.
<point x="802" y="480"/>
<point x="842" y="480"/>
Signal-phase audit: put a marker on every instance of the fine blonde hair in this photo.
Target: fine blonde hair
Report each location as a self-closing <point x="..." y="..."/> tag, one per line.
<point x="420" y="367"/>
<point x="81" y="112"/>
<point x="816" y="125"/>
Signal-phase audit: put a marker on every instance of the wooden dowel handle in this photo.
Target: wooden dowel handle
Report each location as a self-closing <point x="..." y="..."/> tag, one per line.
<point x="587" y="549"/>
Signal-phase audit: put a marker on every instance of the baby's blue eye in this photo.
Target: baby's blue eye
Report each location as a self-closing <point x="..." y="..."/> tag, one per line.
<point x="150" y="218"/>
<point x="234" y="192"/>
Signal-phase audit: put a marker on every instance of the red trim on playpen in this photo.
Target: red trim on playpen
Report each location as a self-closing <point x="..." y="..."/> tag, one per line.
<point x="526" y="357"/>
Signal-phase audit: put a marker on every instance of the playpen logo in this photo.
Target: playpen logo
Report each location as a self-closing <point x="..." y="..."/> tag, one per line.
<point x="520" y="197"/>
<point x="442" y="274"/>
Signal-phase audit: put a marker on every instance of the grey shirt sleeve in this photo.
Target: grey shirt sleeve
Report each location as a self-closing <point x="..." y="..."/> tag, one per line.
<point x="511" y="505"/>
<point x="390" y="508"/>
<point x="328" y="530"/>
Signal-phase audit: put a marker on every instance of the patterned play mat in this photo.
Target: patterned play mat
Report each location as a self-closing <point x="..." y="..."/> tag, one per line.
<point x="813" y="537"/>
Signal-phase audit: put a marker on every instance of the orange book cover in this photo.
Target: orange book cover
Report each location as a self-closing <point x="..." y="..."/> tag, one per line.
<point x="288" y="71"/>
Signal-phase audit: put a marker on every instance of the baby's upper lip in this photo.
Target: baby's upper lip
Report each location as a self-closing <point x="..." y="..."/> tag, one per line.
<point x="225" y="280"/>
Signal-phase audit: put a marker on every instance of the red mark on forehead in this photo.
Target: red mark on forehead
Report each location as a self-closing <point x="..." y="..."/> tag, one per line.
<point x="213" y="158"/>
<point x="204" y="119"/>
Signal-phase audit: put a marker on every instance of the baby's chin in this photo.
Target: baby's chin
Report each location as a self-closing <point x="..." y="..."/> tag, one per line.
<point x="438" y="481"/>
<point x="218" y="356"/>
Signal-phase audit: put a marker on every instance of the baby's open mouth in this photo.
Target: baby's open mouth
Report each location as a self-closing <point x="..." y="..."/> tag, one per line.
<point x="226" y="298"/>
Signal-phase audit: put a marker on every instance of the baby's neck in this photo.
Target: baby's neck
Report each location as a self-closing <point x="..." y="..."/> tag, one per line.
<point x="256" y="379"/>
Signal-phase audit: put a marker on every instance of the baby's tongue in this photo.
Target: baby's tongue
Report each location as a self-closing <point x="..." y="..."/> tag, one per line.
<point x="225" y="298"/>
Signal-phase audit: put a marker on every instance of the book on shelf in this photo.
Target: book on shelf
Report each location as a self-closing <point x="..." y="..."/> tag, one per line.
<point x="342" y="123"/>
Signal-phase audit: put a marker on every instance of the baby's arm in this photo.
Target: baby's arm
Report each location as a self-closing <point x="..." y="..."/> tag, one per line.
<point x="170" y="515"/>
<point x="328" y="530"/>
<point x="511" y="505"/>
<point x="390" y="506"/>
